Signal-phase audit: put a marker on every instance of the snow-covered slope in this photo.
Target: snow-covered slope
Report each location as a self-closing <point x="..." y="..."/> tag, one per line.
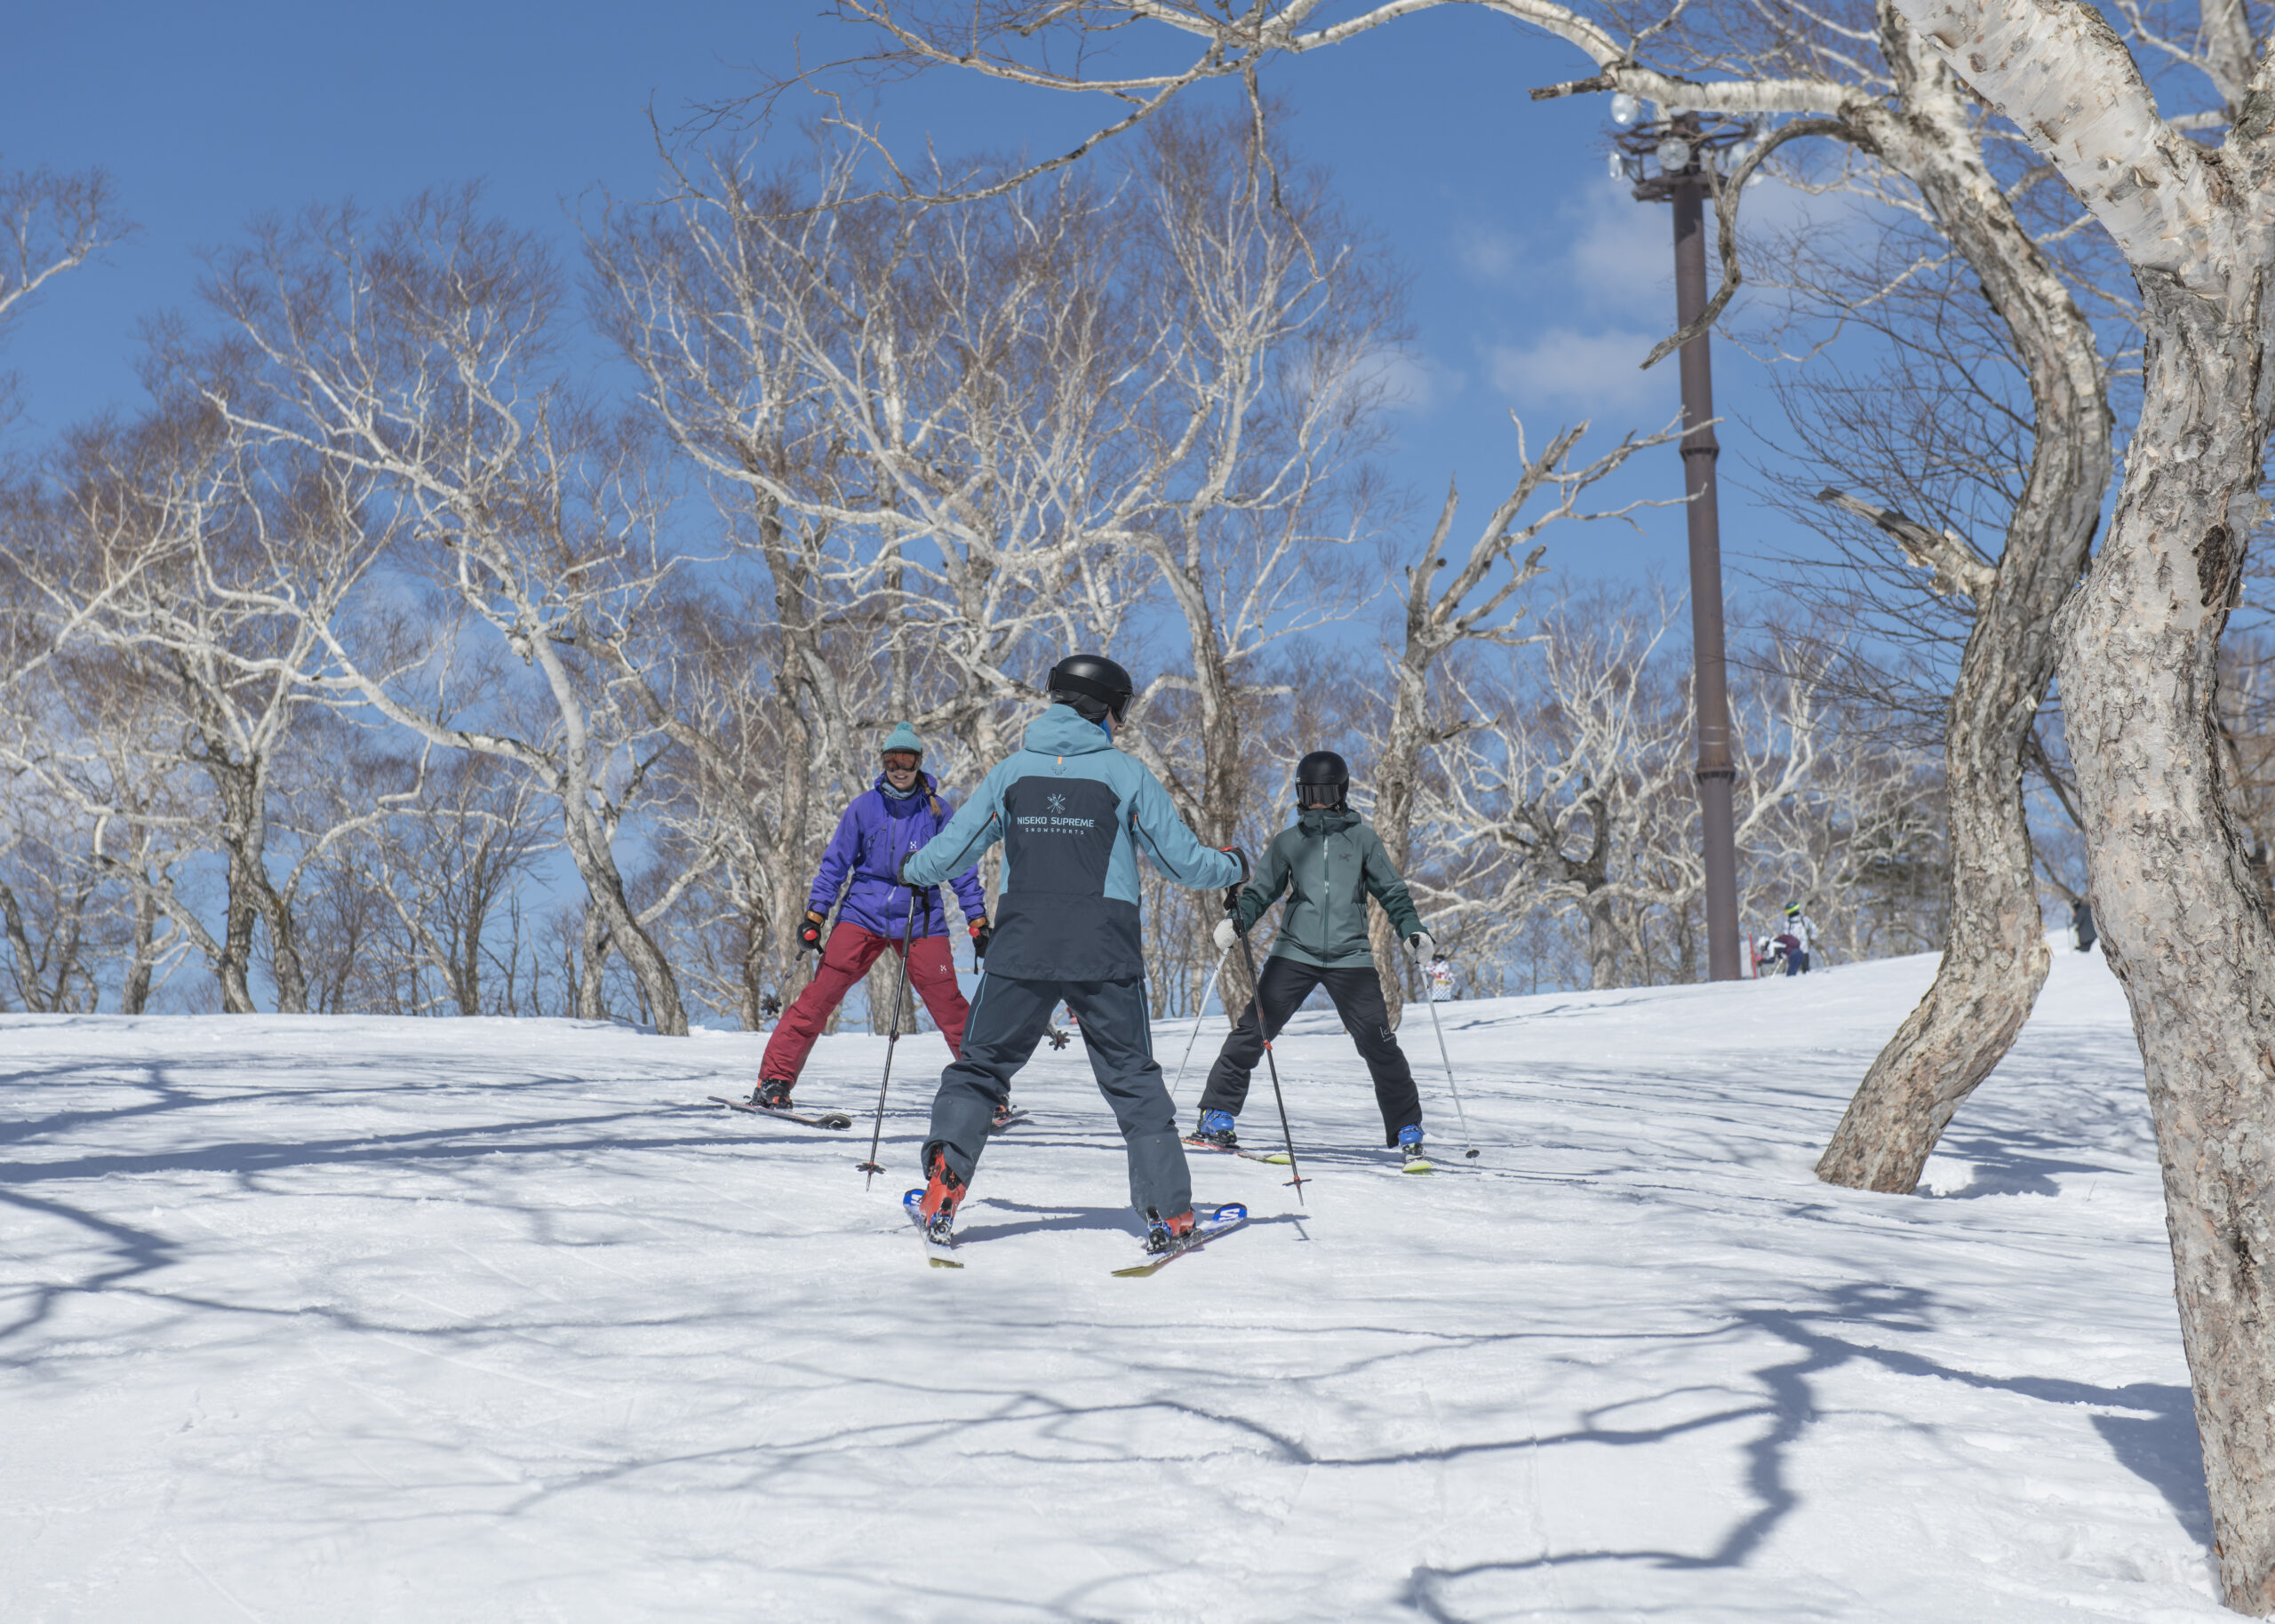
<point x="365" y="1319"/>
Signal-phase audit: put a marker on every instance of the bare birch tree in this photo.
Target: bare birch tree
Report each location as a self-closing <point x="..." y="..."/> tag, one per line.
<point x="1571" y="796"/>
<point x="1472" y="606"/>
<point x="50" y="223"/>
<point x="902" y="413"/>
<point x="152" y="529"/>
<point x="2185" y="923"/>
<point x="414" y="354"/>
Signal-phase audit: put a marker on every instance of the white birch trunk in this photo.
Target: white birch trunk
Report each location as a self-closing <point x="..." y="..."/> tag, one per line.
<point x="1994" y="957"/>
<point x="2183" y="919"/>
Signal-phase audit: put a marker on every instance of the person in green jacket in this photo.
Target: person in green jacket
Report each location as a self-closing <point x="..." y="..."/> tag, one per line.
<point x="1328" y="862"/>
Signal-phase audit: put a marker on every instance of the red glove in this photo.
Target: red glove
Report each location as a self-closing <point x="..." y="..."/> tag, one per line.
<point x="810" y="933"/>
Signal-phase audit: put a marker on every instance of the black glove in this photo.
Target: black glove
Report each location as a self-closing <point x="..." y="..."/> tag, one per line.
<point x="1233" y="892"/>
<point x="982" y="933"/>
<point x="901" y="873"/>
<point x="810" y="932"/>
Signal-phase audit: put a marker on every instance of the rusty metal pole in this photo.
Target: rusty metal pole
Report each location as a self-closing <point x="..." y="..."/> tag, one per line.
<point x="1712" y="690"/>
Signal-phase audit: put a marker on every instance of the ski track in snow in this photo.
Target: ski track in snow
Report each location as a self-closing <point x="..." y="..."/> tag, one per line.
<point x="373" y="1319"/>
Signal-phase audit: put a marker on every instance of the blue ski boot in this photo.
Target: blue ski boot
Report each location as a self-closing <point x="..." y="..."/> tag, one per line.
<point x="1216" y="1128"/>
<point x="1409" y="1143"/>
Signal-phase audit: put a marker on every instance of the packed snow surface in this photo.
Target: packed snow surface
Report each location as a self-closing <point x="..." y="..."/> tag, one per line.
<point x="371" y="1319"/>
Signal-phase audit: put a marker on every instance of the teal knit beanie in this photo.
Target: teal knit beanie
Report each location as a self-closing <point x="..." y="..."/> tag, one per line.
<point x="903" y="737"/>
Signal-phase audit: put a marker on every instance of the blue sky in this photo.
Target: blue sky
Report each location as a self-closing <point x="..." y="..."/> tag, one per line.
<point x="1538" y="284"/>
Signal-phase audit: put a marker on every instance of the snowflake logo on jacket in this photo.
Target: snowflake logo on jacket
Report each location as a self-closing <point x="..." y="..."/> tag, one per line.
<point x="1057" y="803"/>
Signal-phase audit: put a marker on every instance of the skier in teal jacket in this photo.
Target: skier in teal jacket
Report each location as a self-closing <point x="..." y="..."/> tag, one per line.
<point x="1073" y="813"/>
<point x="1329" y="863"/>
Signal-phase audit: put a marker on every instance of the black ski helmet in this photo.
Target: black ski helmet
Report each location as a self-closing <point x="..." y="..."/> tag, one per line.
<point x="1094" y="685"/>
<point x="1322" y="769"/>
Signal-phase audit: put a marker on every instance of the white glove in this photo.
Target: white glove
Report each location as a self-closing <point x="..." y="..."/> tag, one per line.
<point x="1423" y="943"/>
<point x="1226" y="935"/>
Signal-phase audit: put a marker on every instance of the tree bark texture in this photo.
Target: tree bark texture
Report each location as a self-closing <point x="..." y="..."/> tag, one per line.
<point x="134" y="990"/>
<point x="1393" y="821"/>
<point x="885" y="976"/>
<point x="1994" y="957"/>
<point x="2183" y="919"/>
<point x="2183" y="922"/>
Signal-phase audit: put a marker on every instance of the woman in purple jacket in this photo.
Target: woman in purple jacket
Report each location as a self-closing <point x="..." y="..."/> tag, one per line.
<point x="897" y="816"/>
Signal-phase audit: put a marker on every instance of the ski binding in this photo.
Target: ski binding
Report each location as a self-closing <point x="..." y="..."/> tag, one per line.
<point x="939" y="1243"/>
<point x="1226" y="1219"/>
<point x="1277" y="1158"/>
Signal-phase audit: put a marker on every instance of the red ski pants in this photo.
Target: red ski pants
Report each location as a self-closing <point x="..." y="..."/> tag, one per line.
<point x="846" y="959"/>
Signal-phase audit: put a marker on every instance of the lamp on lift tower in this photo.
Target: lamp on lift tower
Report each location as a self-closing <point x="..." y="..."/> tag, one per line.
<point x="1687" y="149"/>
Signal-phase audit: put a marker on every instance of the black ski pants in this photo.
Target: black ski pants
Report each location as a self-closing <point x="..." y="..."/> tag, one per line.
<point x="1009" y="1017"/>
<point x="1281" y="987"/>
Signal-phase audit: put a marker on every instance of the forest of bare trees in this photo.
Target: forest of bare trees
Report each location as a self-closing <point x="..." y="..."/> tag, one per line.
<point x="382" y="665"/>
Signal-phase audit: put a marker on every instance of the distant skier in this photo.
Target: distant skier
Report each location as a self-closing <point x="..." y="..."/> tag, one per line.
<point x="1073" y="813"/>
<point x="1800" y="935"/>
<point x="1441" y="980"/>
<point x="901" y="811"/>
<point x="2081" y="921"/>
<point x="1328" y="862"/>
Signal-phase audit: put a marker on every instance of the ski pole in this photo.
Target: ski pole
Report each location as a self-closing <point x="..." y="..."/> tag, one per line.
<point x="1459" y="1110"/>
<point x="1197" y="1016"/>
<point x="1257" y="1004"/>
<point x="892" y="1042"/>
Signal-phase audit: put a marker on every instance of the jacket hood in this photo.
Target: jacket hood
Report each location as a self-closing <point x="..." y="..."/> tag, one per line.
<point x="1327" y="820"/>
<point x="1060" y="732"/>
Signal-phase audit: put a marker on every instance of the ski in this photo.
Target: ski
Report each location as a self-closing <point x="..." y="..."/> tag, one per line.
<point x="829" y="1119"/>
<point x="1012" y="1120"/>
<point x="1420" y="1164"/>
<point x="1277" y="1158"/>
<point x="1226" y="1219"/>
<point x="941" y="1254"/>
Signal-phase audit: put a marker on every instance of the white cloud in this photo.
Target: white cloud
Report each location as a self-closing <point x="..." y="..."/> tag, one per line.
<point x="1587" y="375"/>
<point x="1489" y="254"/>
<point x="1622" y="252"/>
<point x="1412" y="381"/>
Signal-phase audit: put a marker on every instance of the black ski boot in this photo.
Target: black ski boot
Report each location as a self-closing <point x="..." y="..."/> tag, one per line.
<point x="773" y="1094"/>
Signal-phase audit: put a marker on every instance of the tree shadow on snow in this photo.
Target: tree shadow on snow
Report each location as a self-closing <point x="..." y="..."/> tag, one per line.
<point x="2157" y="1443"/>
<point x="2014" y="1163"/>
<point x="2165" y="1452"/>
